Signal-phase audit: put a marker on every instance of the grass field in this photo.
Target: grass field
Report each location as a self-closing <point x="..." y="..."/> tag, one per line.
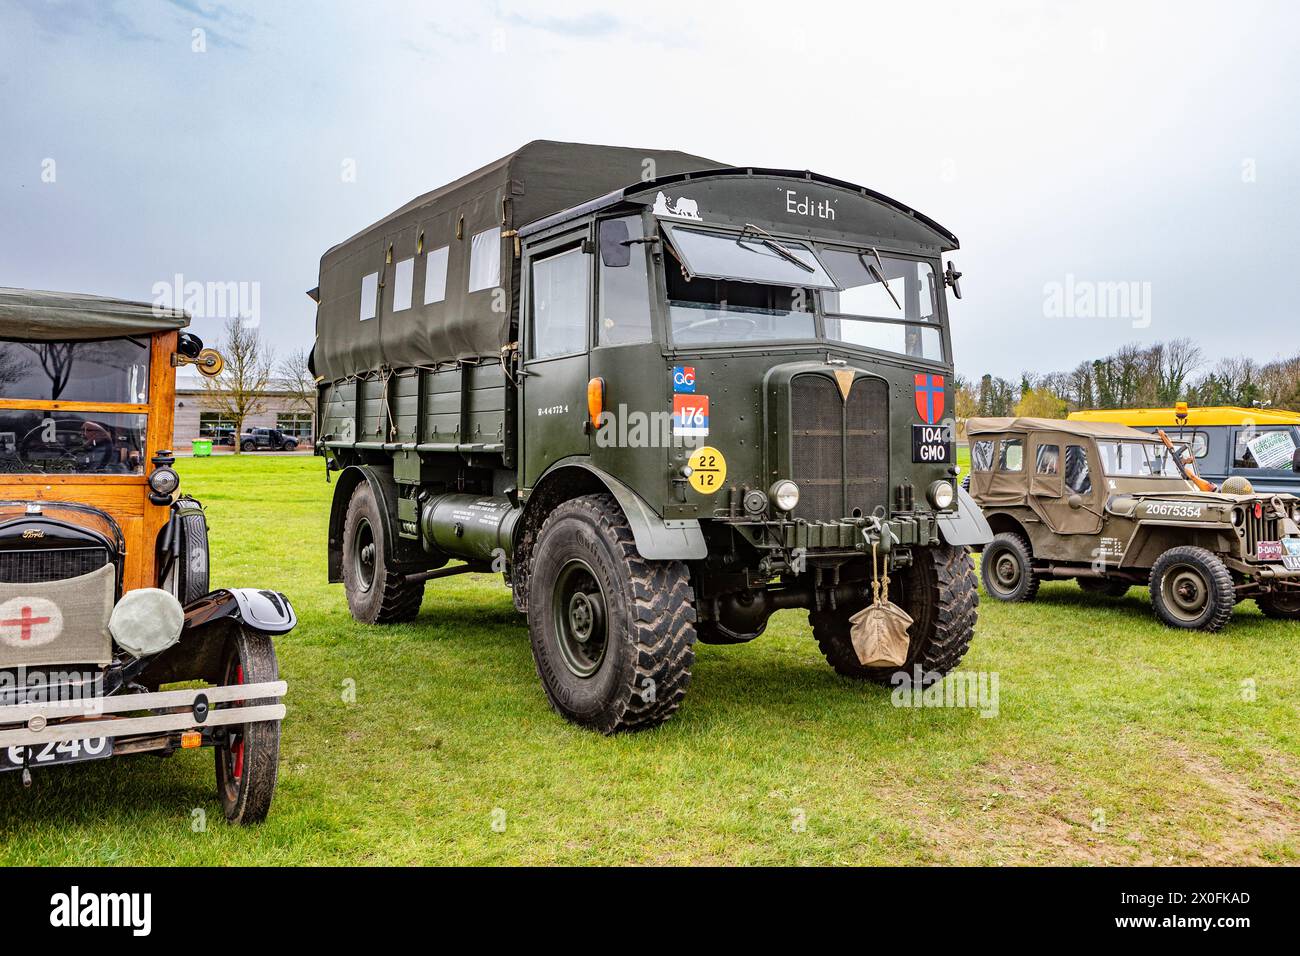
<point x="1116" y="740"/>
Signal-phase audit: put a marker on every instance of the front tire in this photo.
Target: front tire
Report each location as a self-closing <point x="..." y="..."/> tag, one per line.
<point x="377" y="592"/>
<point x="1191" y="588"/>
<point x="249" y="760"/>
<point x="1280" y="605"/>
<point x="940" y="594"/>
<point x="1007" y="569"/>
<point x="247" y="446"/>
<point x="612" y="634"/>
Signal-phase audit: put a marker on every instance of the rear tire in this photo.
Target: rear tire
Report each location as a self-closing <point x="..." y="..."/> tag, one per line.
<point x="612" y="633"/>
<point x="1007" y="569"/>
<point x="939" y="592"/>
<point x="377" y="593"/>
<point x="248" y="446"/>
<point x="249" y="761"/>
<point x="1281" y="606"/>
<point x="1191" y="589"/>
<point x="1115" y="589"/>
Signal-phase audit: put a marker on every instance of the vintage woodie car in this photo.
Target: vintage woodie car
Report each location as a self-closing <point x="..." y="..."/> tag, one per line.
<point x="104" y="592"/>
<point x="1110" y="507"/>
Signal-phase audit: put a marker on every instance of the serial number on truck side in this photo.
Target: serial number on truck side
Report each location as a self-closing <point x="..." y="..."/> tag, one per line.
<point x="931" y="444"/>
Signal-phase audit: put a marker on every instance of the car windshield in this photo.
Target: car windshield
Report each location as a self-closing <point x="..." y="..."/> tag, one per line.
<point x="111" y="370"/>
<point x="1137" y="459"/>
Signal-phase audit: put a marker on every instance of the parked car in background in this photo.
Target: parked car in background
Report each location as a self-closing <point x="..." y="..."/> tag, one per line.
<point x="269" y="439"/>
<point x="1258" y="444"/>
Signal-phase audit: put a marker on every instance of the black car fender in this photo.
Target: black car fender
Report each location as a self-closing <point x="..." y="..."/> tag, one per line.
<point x="198" y="654"/>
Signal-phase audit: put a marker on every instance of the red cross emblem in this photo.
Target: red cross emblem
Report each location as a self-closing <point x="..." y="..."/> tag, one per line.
<point x="26" y="621"/>
<point x="29" y="621"/>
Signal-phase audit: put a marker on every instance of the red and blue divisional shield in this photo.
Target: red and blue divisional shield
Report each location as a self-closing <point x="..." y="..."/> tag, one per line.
<point x="929" y="397"/>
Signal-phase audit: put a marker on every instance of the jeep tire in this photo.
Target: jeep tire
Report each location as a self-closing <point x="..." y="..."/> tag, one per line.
<point x="612" y="634"/>
<point x="1191" y="588"/>
<point x="1280" y="605"/>
<point x="939" y="592"/>
<point x="1007" y="569"/>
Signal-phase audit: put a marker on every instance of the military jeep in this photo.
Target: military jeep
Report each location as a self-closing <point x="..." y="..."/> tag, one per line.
<point x="1111" y="507"/>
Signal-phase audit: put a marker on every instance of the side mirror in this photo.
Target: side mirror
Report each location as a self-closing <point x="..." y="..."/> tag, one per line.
<point x="1075" y="501"/>
<point x="952" y="278"/>
<point x="615" y="248"/>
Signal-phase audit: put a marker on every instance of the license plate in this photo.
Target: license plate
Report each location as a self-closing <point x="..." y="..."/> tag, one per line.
<point x="47" y="755"/>
<point x="1291" y="562"/>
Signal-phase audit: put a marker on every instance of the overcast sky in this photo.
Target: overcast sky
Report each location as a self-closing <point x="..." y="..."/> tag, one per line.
<point x="1156" y="144"/>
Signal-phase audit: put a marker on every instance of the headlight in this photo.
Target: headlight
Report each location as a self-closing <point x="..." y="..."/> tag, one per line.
<point x="941" y="494"/>
<point x="786" y="494"/>
<point x="164" y="481"/>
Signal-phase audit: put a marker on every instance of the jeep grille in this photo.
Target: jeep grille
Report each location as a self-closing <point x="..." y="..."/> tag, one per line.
<point x="839" y="450"/>
<point x="55" y="564"/>
<point x="1264" y="528"/>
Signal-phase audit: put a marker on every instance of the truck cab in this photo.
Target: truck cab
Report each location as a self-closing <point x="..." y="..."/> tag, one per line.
<point x="736" y="378"/>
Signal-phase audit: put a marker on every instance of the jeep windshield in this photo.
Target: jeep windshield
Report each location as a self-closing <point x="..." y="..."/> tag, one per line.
<point x="1137" y="459"/>
<point x="748" y="287"/>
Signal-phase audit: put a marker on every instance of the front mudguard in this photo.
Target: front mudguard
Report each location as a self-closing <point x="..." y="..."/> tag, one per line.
<point x="200" y="652"/>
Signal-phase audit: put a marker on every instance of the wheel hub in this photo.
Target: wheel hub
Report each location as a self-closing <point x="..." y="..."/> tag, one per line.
<point x="580" y="625"/>
<point x="1186" y="592"/>
<point x="1006" y="570"/>
<point x="365" y="562"/>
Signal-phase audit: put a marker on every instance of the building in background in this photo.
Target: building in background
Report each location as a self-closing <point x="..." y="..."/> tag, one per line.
<point x="284" y="409"/>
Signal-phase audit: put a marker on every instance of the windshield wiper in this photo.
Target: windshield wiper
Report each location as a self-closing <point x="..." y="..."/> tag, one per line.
<point x="767" y="240"/>
<point x="878" y="271"/>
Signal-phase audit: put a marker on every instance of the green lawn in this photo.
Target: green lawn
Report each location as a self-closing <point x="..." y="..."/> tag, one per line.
<point x="1116" y="740"/>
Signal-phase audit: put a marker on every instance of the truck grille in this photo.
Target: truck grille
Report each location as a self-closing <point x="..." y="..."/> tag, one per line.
<point x="839" y="449"/>
<point x="56" y="564"/>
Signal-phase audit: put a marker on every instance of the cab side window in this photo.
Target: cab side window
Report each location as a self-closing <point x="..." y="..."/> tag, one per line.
<point x="1078" y="477"/>
<point x="1011" y="455"/>
<point x="981" y="456"/>
<point x="559" y="304"/>
<point x="1049" y="460"/>
<point x="623" y="305"/>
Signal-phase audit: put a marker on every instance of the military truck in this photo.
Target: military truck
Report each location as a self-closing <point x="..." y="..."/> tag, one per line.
<point x="1111" y="507"/>
<point x="664" y="398"/>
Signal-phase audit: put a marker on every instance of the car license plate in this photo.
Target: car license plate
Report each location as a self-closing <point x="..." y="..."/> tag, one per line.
<point x="46" y="755"/>
<point x="1291" y="562"/>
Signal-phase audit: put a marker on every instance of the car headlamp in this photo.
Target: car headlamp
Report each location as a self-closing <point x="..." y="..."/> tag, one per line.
<point x="941" y="495"/>
<point x="786" y="494"/>
<point x="164" y="481"/>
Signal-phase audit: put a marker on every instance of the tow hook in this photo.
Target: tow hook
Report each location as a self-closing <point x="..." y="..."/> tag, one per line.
<point x="879" y="534"/>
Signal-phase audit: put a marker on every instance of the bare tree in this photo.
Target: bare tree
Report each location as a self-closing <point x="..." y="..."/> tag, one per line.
<point x="298" y="381"/>
<point x="240" y="389"/>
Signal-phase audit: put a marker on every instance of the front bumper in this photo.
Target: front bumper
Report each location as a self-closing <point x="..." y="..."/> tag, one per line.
<point x="851" y="535"/>
<point x="120" y="718"/>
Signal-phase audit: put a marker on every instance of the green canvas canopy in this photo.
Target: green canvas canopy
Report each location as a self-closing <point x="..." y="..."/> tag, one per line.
<point x="27" y="314"/>
<point x="436" y="280"/>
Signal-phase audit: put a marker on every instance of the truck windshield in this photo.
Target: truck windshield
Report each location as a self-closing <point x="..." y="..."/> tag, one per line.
<point x="883" y="302"/>
<point x="1137" y="459"/>
<point x="749" y="287"/>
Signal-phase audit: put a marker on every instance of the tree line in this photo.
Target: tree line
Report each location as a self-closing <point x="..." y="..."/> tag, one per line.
<point x="1135" y="376"/>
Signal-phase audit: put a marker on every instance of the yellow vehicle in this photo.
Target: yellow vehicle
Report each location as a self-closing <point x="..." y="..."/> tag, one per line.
<point x="1261" y="445"/>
